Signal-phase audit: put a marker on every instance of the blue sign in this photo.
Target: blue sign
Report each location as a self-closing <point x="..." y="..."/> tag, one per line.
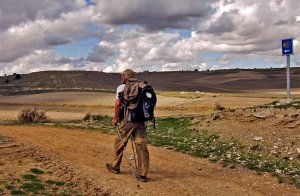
<point x="287" y="46"/>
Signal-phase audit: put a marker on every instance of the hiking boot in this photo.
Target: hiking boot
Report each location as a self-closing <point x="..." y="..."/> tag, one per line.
<point x="141" y="178"/>
<point x="111" y="169"/>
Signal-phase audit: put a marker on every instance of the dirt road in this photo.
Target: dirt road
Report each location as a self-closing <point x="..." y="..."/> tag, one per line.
<point x="80" y="157"/>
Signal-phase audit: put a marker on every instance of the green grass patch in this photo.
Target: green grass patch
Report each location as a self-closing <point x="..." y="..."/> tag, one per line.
<point x="30" y="177"/>
<point x="36" y="171"/>
<point x="33" y="184"/>
<point x="55" y="183"/>
<point x="17" y="192"/>
<point x="33" y="187"/>
<point x="8" y="186"/>
<point x="277" y="104"/>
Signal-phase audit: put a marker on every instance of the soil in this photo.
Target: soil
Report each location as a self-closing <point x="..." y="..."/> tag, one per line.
<point x="79" y="157"/>
<point x="275" y="129"/>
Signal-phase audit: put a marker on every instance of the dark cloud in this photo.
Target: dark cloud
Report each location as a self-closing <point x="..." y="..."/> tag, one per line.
<point x="281" y="22"/>
<point x="15" y="12"/>
<point x="54" y="40"/>
<point x="101" y="53"/>
<point x="226" y="2"/>
<point x="155" y="14"/>
<point x="225" y="23"/>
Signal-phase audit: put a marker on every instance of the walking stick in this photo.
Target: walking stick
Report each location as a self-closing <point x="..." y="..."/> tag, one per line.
<point x="127" y="156"/>
<point x="134" y="151"/>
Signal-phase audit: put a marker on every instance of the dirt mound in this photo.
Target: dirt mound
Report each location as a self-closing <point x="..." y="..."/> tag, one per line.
<point x="269" y="126"/>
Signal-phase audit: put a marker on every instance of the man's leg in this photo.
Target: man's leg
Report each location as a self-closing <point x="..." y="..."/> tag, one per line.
<point x="142" y="150"/>
<point x="125" y="131"/>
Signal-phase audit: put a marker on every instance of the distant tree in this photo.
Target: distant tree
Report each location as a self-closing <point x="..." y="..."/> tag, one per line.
<point x="14" y="74"/>
<point x="208" y="70"/>
<point x="196" y="70"/>
<point x="18" y="76"/>
<point x="5" y="75"/>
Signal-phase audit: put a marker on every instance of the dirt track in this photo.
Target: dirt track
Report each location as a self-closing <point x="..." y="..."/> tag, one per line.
<point x="82" y="156"/>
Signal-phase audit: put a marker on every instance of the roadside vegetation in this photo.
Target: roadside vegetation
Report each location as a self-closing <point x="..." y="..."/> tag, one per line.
<point x="35" y="182"/>
<point x="32" y="115"/>
<point x="187" y="95"/>
<point x="175" y="134"/>
<point x="279" y="105"/>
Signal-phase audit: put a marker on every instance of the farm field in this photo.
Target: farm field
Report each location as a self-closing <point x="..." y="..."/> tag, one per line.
<point x="66" y="106"/>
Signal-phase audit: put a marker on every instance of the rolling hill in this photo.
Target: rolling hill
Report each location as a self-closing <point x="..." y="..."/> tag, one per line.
<point x="234" y="80"/>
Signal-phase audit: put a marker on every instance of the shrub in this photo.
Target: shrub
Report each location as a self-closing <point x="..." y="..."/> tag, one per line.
<point x="87" y="117"/>
<point x="30" y="115"/>
<point x="219" y="107"/>
<point x="93" y="117"/>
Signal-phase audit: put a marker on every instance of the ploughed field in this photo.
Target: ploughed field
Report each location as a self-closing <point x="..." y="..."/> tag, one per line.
<point x="62" y="106"/>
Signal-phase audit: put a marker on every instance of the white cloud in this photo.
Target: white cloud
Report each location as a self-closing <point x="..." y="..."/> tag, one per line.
<point x="42" y="60"/>
<point x="42" y="34"/>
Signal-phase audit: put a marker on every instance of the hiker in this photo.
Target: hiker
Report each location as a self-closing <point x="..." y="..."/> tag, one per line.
<point x="129" y="127"/>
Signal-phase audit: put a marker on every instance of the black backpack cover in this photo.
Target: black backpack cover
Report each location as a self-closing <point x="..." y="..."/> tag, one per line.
<point x="141" y="104"/>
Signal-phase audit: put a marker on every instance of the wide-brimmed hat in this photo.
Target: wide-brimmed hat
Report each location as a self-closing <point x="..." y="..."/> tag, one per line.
<point x="129" y="74"/>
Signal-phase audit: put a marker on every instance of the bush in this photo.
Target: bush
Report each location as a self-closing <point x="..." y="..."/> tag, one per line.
<point x="87" y="117"/>
<point x="30" y="115"/>
<point x="219" y="107"/>
<point x="93" y="117"/>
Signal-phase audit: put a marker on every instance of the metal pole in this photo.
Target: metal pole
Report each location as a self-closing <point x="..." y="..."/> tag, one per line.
<point x="288" y="79"/>
<point x="127" y="156"/>
<point x="133" y="149"/>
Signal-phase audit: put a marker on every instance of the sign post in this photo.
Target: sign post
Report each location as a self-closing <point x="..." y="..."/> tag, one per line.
<point x="287" y="50"/>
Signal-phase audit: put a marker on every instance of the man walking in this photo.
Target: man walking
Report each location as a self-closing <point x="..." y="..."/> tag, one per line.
<point x="128" y="89"/>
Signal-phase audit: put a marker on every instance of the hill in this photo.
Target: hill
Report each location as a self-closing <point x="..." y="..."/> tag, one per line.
<point x="234" y="80"/>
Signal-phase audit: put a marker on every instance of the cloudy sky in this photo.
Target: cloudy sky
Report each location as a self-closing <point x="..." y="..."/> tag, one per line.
<point x="156" y="35"/>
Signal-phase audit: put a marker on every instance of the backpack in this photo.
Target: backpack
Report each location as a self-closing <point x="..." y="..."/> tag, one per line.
<point x="140" y="101"/>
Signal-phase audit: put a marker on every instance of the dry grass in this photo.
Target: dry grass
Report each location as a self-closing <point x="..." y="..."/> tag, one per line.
<point x="187" y="95"/>
<point x="32" y="115"/>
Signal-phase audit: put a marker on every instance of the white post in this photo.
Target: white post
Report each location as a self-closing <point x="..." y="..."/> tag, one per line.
<point x="288" y="87"/>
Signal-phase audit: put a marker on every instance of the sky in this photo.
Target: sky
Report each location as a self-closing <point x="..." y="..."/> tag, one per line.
<point x="143" y="35"/>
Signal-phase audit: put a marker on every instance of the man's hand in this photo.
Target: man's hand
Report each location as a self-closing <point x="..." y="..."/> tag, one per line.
<point x="114" y="122"/>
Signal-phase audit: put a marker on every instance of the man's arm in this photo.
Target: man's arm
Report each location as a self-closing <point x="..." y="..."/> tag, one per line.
<point x="117" y="112"/>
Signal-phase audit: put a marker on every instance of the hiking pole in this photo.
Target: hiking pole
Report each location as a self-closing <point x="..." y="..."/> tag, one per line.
<point x="134" y="150"/>
<point x="127" y="156"/>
